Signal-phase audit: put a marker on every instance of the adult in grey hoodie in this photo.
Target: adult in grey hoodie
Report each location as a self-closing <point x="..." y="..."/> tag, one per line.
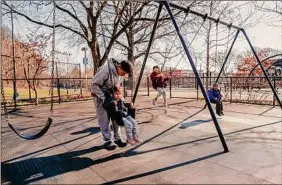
<point x="108" y="76"/>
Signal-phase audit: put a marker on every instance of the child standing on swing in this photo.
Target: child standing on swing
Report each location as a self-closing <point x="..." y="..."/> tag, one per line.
<point x="159" y="82"/>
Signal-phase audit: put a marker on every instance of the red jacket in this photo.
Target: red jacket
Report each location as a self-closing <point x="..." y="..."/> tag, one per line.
<point x="158" y="81"/>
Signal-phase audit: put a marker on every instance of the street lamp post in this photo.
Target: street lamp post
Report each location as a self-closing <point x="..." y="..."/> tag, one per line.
<point x="85" y="62"/>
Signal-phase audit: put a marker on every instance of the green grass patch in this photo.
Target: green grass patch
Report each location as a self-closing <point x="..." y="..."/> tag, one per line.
<point x="41" y="92"/>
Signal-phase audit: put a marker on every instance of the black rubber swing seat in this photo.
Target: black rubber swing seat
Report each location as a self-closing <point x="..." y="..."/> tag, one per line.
<point x="34" y="136"/>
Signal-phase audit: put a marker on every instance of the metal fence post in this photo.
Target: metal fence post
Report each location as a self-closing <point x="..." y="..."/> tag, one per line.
<point x="124" y="92"/>
<point x="197" y="90"/>
<point x="274" y="85"/>
<point x="67" y="86"/>
<point x="170" y="73"/>
<point x="210" y="76"/>
<point x="204" y="81"/>
<point x="231" y="89"/>
<point x="148" y="86"/>
<point x="80" y="81"/>
<point x="29" y="88"/>
<point x="59" y="89"/>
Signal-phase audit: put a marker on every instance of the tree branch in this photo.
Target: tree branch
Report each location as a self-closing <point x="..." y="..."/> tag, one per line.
<point x="121" y="44"/>
<point x="84" y="29"/>
<point x="44" y="24"/>
<point x="114" y="37"/>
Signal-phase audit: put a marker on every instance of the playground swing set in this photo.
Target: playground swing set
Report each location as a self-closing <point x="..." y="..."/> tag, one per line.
<point x="167" y="6"/>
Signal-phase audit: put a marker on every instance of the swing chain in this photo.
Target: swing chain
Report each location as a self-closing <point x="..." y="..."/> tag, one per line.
<point x="4" y="102"/>
<point x="176" y="36"/>
<point x="203" y="22"/>
<point x="216" y="40"/>
<point x="53" y="61"/>
<point x="228" y="37"/>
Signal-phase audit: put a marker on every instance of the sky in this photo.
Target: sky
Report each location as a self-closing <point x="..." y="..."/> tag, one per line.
<point x="262" y="35"/>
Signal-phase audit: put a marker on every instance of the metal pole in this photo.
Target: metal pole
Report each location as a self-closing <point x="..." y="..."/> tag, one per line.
<point x="29" y="90"/>
<point x="14" y="64"/>
<point x="185" y="9"/>
<point x="85" y="71"/>
<point x="274" y="84"/>
<point x="231" y="86"/>
<point x="170" y="73"/>
<point x="198" y="78"/>
<point x="262" y="68"/>
<point x="125" y="94"/>
<point x="148" y="85"/>
<point x="210" y="76"/>
<point x="227" y="56"/>
<point x="85" y="74"/>
<point x="58" y="83"/>
<point x="197" y="86"/>
<point x="147" y="53"/>
<point x="80" y="80"/>
<point x="203" y="78"/>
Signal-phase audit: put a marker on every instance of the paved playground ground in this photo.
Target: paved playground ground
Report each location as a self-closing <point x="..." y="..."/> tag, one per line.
<point x="181" y="146"/>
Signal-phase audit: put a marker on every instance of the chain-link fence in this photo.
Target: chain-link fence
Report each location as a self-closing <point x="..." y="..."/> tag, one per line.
<point x="37" y="91"/>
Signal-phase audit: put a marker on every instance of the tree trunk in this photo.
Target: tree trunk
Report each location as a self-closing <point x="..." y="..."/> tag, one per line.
<point x="96" y="60"/>
<point x="131" y="58"/>
<point x="208" y="49"/>
<point x="36" y="96"/>
<point x="130" y="38"/>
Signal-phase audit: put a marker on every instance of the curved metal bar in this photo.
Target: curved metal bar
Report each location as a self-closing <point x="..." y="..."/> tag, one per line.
<point x="264" y="61"/>
<point x="34" y="136"/>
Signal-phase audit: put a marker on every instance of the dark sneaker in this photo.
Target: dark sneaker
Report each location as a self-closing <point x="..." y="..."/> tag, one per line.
<point x="222" y="113"/>
<point x="120" y="143"/>
<point x="218" y="113"/>
<point x="109" y="145"/>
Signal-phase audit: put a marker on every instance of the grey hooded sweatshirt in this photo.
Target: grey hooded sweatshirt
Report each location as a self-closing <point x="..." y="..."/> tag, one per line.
<point x="102" y="81"/>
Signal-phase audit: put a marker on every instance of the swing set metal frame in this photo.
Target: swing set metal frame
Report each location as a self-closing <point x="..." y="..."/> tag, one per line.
<point x="168" y="6"/>
<point x="187" y="52"/>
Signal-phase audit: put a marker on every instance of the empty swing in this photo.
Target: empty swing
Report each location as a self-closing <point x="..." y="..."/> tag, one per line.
<point x="50" y="118"/>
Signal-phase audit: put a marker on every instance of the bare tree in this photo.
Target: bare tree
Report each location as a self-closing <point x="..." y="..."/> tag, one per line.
<point x="273" y="7"/>
<point x="78" y="20"/>
<point x="34" y="61"/>
<point x="135" y="38"/>
<point x="272" y="11"/>
<point x="218" y="37"/>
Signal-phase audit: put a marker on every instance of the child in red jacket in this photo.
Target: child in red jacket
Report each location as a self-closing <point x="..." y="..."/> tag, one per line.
<point x="159" y="82"/>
